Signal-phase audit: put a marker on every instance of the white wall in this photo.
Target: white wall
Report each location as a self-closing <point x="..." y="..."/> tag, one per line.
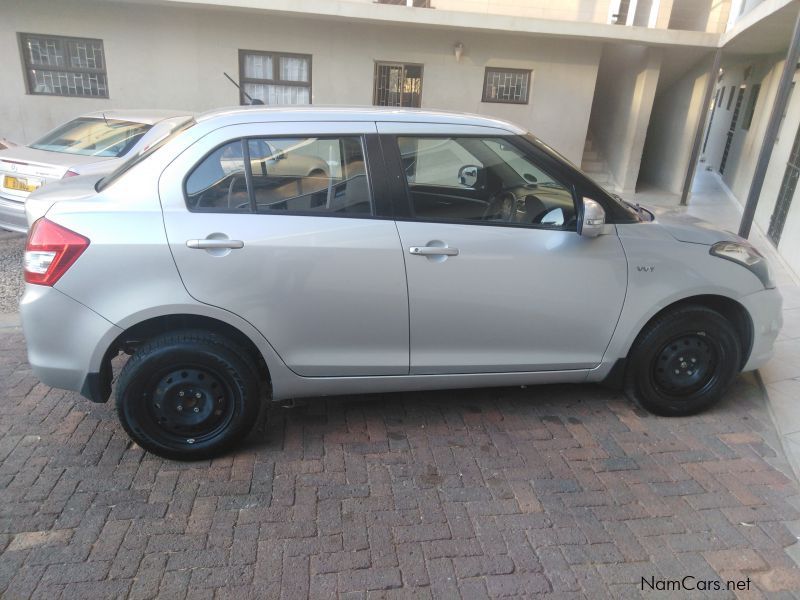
<point x="595" y="11"/>
<point x="623" y="99"/>
<point x="670" y="135"/>
<point x="746" y="143"/>
<point x="174" y="58"/>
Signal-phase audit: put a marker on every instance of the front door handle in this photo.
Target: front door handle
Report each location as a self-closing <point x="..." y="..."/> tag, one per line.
<point x="212" y="244"/>
<point x="433" y="251"/>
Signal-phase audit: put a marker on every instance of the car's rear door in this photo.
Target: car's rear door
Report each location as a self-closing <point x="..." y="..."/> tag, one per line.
<point x="300" y="244"/>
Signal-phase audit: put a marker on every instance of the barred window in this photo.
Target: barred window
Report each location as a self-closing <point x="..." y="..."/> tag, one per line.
<point x="511" y="86"/>
<point x="415" y="3"/>
<point x="397" y="84"/>
<point x="64" y="66"/>
<point x="275" y="77"/>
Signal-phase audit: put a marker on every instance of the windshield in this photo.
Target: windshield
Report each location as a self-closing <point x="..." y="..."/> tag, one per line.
<point x="177" y="126"/>
<point x="93" y="137"/>
<point x="629" y="209"/>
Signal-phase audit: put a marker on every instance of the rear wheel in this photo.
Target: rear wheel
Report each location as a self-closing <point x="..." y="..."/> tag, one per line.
<point x="683" y="361"/>
<point x="188" y="395"/>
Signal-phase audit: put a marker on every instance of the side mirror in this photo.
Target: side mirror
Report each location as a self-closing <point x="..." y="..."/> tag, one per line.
<point x="593" y="219"/>
<point x="468" y="175"/>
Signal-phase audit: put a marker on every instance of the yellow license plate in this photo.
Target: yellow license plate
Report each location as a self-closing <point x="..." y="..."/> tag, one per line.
<point x="15" y="183"/>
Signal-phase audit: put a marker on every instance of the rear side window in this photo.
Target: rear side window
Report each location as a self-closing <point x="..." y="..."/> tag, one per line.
<point x="299" y="175"/>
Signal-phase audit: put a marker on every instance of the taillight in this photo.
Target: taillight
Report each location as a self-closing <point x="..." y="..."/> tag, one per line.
<point x="51" y="250"/>
<point x="69" y="173"/>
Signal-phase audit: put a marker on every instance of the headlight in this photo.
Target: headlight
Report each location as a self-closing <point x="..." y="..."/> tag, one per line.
<point x="747" y="256"/>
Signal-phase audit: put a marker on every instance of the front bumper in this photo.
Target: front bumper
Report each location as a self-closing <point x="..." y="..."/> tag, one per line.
<point x="66" y="340"/>
<point x="12" y="214"/>
<point x="766" y="311"/>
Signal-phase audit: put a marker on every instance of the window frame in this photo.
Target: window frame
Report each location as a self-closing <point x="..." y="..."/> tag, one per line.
<point x="752" y="104"/>
<point x="485" y="98"/>
<point x="404" y="202"/>
<point x="391" y="63"/>
<point x="26" y="68"/>
<point x="378" y="210"/>
<point x="276" y="56"/>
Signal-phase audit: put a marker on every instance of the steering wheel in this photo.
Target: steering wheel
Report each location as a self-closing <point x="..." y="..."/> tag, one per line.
<point x="503" y="204"/>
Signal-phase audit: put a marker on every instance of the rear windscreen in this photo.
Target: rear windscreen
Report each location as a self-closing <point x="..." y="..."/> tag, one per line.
<point x="93" y="137"/>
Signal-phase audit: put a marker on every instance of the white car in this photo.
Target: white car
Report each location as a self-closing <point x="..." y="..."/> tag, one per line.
<point x="94" y="143"/>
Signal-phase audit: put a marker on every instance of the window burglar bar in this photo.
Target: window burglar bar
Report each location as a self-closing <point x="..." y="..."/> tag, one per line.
<point x="64" y="66"/>
<point x="397" y="85"/>
<point x="732" y="130"/>
<point x="415" y="3"/>
<point x="786" y="193"/>
<point x="275" y="77"/>
<point x="506" y="85"/>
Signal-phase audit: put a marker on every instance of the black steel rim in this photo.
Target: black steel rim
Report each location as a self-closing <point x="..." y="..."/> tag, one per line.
<point x="189" y="405"/>
<point x="686" y="365"/>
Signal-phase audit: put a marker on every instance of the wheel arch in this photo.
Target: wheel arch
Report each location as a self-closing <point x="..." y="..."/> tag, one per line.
<point x="97" y="386"/>
<point x="729" y="308"/>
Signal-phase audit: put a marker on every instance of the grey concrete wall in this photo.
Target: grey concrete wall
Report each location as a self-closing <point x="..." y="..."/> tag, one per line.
<point x="670" y="135"/>
<point x="174" y="58"/>
<point x="745" y="143"/>
<point x="623" y="99"/>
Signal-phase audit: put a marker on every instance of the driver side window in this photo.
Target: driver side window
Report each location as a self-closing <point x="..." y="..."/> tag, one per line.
<point x="482" y="179"/>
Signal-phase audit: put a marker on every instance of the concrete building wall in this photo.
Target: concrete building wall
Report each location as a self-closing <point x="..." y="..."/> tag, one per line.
<point x="623" y="100"/>
<point x="745" y="143"/>
<point x="174" y="58"/>
<point x="789" y="245"/>
<point x="593" y="11"/>
<point x="673" y="123"/>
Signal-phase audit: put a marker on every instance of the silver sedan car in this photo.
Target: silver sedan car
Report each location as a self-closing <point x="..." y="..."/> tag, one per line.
<point x="275" y="253"/>
<point x="93" y="143"/>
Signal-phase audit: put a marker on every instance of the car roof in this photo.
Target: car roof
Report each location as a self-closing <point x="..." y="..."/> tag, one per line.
<point x="146" y="116"/>
<point x="240" y="114"/>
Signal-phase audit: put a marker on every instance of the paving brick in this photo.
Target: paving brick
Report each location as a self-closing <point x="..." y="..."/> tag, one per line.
<point x="558" y="490"/>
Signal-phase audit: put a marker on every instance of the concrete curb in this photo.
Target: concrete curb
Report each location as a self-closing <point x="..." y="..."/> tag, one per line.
<point x="10" y="321"/>
<point x="790" y="449"/>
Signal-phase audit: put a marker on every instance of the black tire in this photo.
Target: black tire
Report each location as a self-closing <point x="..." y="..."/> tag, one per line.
<point x="683" y="361"/>
<point x="188" y="395"/>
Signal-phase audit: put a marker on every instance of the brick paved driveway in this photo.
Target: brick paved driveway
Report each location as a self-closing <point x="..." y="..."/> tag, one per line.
<point x="560" y="490"/>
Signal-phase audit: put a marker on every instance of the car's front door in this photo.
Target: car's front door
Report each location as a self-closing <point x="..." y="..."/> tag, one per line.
<point x="295" y="244"/>
<point x="499" y="280"/>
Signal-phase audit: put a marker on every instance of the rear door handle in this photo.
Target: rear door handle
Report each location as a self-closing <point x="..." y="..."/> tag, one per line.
<point x="433" y="251"/>
<point x="214" y="244"/>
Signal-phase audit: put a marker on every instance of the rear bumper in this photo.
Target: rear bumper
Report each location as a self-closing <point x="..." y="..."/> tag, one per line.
<point x="12" y="214"/>
<point x="66" y="340"/>
<point x="765" y="308"/>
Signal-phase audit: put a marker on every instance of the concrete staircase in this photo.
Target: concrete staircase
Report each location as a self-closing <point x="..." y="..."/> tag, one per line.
<point x="594" y="165"/>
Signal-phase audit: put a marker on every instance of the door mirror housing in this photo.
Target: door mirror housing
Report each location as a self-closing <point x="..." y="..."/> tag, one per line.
<point x="468" y="175"/>
<point x="593" y="219"/>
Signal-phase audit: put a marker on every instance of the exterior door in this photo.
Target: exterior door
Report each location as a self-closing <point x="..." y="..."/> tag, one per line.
<point x="732" y="129"/>
<point x="498" y="278"/>
<point x="281" y="224"/>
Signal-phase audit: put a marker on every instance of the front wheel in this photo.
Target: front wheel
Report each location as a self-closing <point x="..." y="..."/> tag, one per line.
<point x="188" y="395"/>
<point x="683" y="361"/>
